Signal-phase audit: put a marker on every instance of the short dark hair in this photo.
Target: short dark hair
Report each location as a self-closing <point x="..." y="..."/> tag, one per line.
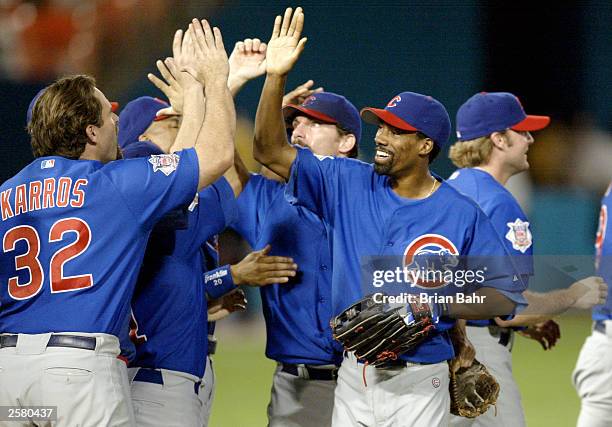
<point x="61" y="115"/>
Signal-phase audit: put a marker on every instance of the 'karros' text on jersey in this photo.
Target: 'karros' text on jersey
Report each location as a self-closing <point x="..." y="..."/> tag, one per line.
<point x="48" y="193"/>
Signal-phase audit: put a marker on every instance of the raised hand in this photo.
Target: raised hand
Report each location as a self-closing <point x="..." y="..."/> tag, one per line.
<point x="247" y="61"/>
<point x="169" y="85"/>
<point x="286" y="44"/>
<point x="300" y="93"/>
<point x="211" y="64"/>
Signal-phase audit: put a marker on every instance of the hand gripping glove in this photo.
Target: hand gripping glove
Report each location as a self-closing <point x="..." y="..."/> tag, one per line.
<point x="472" y="390"/>
<point x="378" y="334"/>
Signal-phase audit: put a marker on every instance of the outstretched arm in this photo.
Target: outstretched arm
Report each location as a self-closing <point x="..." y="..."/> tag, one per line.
<point x="270" y="146"/>
<point x="582" y="295"/>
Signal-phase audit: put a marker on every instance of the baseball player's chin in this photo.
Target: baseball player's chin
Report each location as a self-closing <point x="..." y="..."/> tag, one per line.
<point x="382" y="168"/>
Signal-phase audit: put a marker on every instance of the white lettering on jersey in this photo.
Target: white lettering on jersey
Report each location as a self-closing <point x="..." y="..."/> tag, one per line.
<point x="166" y="163"/>
<point x="519" y="235"/>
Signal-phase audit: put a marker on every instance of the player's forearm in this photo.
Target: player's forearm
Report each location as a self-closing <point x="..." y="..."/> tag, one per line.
<point x="270" y="145"/>
<point x="490" y="304"/>
<point x="215" y="143"/>
<point x="238" y="175"/>
<point x="543" y="306"/>
<point x="193" y="117"/>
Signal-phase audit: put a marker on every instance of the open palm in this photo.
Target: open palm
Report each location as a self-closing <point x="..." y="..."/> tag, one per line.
<point x="285" y="46"/>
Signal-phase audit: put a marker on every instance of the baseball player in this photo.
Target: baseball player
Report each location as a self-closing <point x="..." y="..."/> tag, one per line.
<point x="494" y="136"/>
<point x="395" y="209"/>
<point x="172" y="288"/>
<point x="297" y="313"/>
<point x="74" y="230"/>
<point x="593" y="371"/>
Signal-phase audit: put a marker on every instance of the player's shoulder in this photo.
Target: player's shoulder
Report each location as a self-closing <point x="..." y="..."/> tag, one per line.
<point x="481" y="187"/>
<point x="459" y="201"/>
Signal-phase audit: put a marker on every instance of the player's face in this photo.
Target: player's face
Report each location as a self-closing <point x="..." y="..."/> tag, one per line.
<point x="321" y="138"/>
<point x="518" y="145"/>
<point x="106" y="141"/>
<point x="396" y="150"/>
<point x="163" y="132"/>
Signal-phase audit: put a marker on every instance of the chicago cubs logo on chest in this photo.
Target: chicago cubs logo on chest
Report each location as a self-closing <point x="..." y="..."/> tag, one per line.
<point x="519" y="235"/>
<point x="429" y="256"/>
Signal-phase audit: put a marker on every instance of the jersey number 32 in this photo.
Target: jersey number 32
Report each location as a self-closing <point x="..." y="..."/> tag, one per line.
<point x="30" y="261"/>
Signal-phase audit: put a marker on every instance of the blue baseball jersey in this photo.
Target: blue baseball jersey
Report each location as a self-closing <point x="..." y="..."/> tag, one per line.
<point x="74" y="234"/>
<point x="170" y="303"/>
<point x="503" y="210"/>
<point x="603" y="253"/>
<point x="297" y="313"/>
<point x="368" y="219"/>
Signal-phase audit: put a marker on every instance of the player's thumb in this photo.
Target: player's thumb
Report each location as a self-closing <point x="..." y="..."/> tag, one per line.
<point x="265" y="251"/>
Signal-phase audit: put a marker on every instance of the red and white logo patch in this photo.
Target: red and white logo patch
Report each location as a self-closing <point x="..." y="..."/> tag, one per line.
<point x="430" y="253"/>
<point x="166" y="163"/>
<point x="394" y="101"/>
<point x="519" y="235"/>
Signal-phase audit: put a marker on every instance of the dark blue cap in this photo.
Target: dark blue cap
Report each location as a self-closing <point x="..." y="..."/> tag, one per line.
<point x="413" y="112"/>
<point x="488" y="112"/>
<point x="328" y="107"/>
<point x="137" y="116"/>
<point x="114" y="105"/>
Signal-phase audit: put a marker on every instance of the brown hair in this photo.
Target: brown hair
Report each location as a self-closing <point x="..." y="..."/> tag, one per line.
<point x="61" y="115"/>
<point x="472" y="153"/>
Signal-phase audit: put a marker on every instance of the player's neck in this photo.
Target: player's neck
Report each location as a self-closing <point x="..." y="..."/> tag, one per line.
<point x="418" y="184"/>
<point x="497" y="171"/>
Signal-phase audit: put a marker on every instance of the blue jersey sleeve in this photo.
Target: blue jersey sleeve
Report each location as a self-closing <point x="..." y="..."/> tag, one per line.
<point x="486" y="252"/>
<point x="252" y="207"/>
<point x="151" y="186"/>
<point x="215" y="210"/>
<point x="313" y="183"/>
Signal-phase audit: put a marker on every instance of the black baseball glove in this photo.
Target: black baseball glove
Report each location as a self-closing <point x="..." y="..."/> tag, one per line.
<point x="378" y="334"/>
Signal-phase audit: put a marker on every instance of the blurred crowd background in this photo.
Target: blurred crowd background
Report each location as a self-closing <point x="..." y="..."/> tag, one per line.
<point x="557" y="59"/>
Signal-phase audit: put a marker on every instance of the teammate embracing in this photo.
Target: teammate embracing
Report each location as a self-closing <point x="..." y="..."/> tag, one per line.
<point x="494" y="136"/>
<point x="180" y="270"/>
<point x="74" y="229"/>
<point x="386" y="210"/>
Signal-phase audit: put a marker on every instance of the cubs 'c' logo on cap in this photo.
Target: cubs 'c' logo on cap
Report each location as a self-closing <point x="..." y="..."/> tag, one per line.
<point x="394" y="101"/>
<point x="430" y="256"/>
<point x="519" y="235"/>
<point x="309" y="100"/>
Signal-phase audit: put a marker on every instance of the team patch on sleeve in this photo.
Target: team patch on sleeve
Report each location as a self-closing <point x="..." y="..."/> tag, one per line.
<point x="519" y="235"/>
<point x="166" y="163"/>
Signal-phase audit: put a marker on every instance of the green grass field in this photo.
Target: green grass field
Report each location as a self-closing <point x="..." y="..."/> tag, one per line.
<point x="244" y="377"/>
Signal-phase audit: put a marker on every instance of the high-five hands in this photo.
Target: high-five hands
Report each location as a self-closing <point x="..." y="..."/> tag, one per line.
<point x="287" y="43"/>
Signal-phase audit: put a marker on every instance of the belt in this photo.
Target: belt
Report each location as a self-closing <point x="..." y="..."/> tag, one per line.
<point x="310" y="372"/>
<point x="154" y="376"/>
<point x="69" y="341"/>
<point x="212" y="345"/>
<point x="505" y="335"/>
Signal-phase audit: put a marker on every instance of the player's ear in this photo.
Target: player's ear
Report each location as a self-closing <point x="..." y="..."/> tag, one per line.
<point x="498" y="139"/>
<point x="347" y="142"/>
<point x="427" y="145"/>
<point x="92" y="133"/>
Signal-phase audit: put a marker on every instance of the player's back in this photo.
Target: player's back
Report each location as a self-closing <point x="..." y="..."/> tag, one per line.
<point x="73" y="234"/>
